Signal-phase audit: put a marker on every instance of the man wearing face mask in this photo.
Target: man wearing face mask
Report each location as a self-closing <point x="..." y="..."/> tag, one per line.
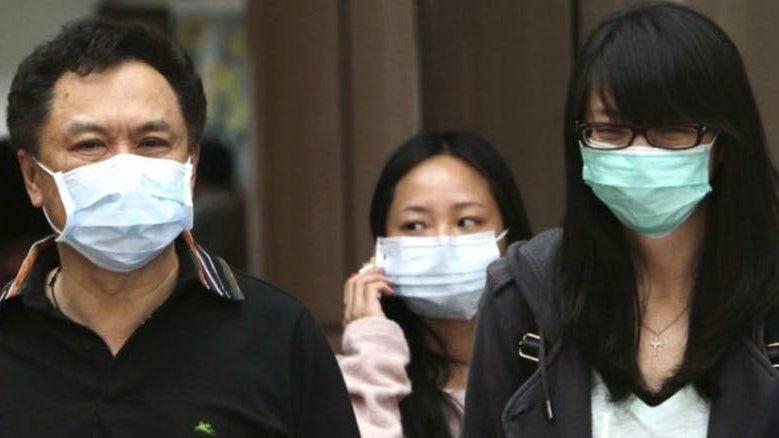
<point x="120" y="324"/>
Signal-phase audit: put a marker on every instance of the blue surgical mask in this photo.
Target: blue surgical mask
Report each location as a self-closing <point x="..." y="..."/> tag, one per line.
<point x="124" y="211"/>
<point x="650" y="190"/>
<point x="438" y="276"/>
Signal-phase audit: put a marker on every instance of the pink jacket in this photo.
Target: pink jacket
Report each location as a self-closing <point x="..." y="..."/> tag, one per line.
<point x="374" y="359"/>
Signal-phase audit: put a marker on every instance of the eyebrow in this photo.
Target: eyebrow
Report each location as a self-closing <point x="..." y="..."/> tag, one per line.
<point x="457" y="206"/>
<point x="154" y="125"/>
<point x="415" y="209"/>
<point x="76" y="128"/>
<point x="466" y="204"/>
<point x="81" y="127"/>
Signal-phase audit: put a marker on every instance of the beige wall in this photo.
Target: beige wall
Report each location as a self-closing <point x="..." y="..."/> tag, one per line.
<point x="500" y="68"/>
<point x="337" y="91"/>
<point x="382" y="85"/>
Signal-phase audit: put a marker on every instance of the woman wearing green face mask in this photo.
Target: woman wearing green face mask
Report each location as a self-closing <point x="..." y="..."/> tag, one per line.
<point x="649" y="314"/>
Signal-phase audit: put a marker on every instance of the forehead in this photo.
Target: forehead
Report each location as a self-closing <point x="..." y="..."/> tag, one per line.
<point x="126" y="93"/>
<point x="440" y="181"/>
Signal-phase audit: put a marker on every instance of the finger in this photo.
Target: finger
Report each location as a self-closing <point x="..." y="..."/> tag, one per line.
<point x="369" y="277"/>
<point x="381" y="282"/>
<point x="354" y="306"/>
<point x="386" y="289"/>
<point x="367" y="300"/>
<point x="347" y="285"/>
<point x="359" y="303"/>
<point x="371" y="298"/>
<point x="374" y="270"/>
<point x="362" y="295"/>
<point x="348" y="299"/>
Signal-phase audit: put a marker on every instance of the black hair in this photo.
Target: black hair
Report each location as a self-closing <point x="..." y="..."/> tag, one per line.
<point x="23" y="224"/>
<point x="215" y="165"/>
<point x="654" y="63"/>
<point x="21" y="221"/>
<point x="426" y="411"/>
<point x="93" y="44"/>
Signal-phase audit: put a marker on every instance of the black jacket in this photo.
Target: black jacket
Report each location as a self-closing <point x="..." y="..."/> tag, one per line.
<point x="510" y="396"/>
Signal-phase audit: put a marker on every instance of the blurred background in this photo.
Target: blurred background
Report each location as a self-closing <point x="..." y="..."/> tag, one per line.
<point x="307" y="98"/>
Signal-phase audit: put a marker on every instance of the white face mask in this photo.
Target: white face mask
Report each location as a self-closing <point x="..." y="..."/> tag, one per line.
<point x="439" y="276"/>
<point x="124" y="211"/>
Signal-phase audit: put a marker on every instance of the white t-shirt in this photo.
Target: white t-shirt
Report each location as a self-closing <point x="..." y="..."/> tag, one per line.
<point x="685" y="415"/>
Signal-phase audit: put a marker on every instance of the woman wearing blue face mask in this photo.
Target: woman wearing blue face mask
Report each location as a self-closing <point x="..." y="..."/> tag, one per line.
<point x="650" y="313"/>
<point x="444" y="207"/>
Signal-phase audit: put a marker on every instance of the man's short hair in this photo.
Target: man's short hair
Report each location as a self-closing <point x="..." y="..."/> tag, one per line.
<point x="94" y="44"/>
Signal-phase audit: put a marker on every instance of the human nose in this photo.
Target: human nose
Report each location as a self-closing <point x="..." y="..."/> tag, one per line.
<point x="445" y="230"/>
<point x="123" y="148"/>
<point x="639" y="140"/>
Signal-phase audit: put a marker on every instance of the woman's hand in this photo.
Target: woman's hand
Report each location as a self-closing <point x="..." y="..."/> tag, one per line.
<point x="362" y="293"/>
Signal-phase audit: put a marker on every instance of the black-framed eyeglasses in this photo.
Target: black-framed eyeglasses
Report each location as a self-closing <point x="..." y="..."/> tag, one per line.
<point x="614" y="136"/>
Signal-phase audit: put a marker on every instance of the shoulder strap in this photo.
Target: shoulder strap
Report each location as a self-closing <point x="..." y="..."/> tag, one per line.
<point x="531" y="266"/>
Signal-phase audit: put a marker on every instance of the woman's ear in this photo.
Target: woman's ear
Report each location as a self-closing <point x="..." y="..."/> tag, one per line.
<point x="32" y="175"/>
<point x="716" y="159"/>
<point x="719" y="155"/>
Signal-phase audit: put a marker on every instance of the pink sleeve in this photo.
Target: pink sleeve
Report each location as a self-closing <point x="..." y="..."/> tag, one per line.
<point x="374" y="368"/>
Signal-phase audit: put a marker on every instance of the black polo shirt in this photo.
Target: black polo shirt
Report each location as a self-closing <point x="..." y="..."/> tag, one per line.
<point x="226" y="355"/>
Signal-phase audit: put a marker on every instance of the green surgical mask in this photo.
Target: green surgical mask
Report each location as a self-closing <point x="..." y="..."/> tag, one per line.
<point x="650" y="190"/>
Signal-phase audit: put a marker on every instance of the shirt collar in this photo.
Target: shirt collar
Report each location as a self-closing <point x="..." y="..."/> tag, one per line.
<point x="212" y="272"/>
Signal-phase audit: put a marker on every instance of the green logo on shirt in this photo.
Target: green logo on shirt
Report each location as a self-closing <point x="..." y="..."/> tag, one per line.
<point x="204" y="428"/>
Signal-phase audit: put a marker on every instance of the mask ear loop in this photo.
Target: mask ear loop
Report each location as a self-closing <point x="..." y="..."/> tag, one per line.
<point x="189" y="172"/>
<point x="64" y="197"/>
<point x="502" y="235"/>
<point x="378" y="255"/>
<point x="51" y="224"/>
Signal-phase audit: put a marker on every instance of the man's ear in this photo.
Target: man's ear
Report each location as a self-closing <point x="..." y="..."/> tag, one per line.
<point x="32" y="176"/>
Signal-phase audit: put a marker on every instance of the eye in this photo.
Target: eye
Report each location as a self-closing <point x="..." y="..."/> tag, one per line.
<point x="609" y="133"/>
<point x="467" y="222"/>
<point x="412" y="226"/>
<point x="153" y="142"/>
<point x="88" y="145"/>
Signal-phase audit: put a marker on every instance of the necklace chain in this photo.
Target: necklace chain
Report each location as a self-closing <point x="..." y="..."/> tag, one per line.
<point x="656" y="343"/>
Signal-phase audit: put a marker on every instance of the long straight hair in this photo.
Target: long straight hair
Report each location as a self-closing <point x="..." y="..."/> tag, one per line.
<point x="655" y="63"/>
<point x="427" y="410"/>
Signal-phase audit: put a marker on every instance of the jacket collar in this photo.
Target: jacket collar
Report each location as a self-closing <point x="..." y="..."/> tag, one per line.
<point x="212" y="272"/>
